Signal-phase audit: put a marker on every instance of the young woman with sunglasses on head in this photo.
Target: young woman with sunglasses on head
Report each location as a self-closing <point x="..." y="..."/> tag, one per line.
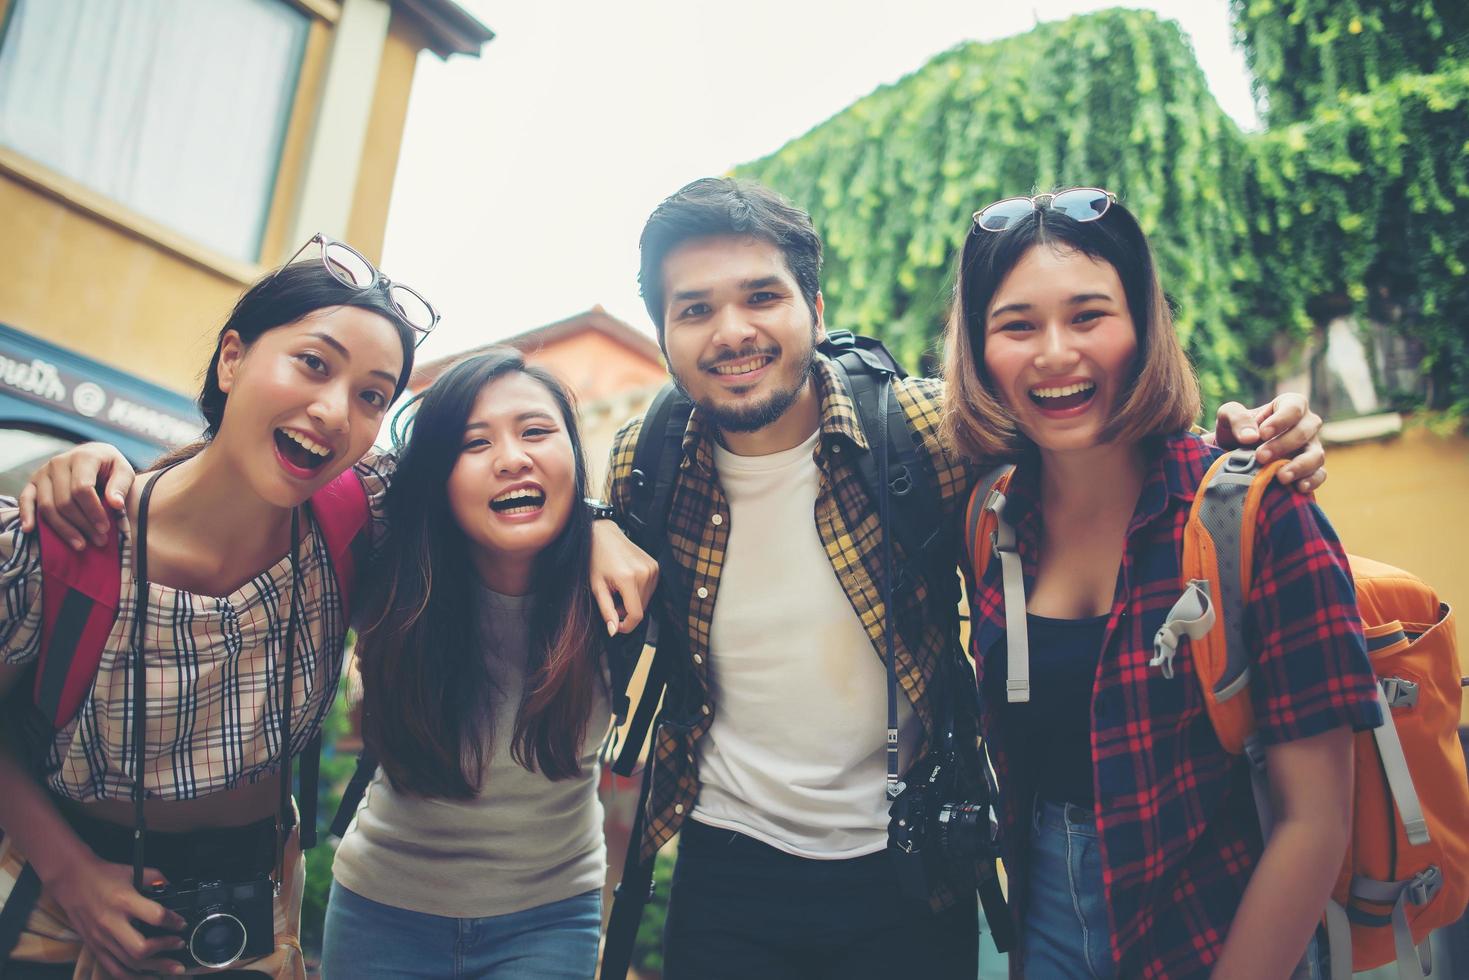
<point x="1130" y="835"/>
<point x="478" y="849"/>
<point x="225" y="651"/>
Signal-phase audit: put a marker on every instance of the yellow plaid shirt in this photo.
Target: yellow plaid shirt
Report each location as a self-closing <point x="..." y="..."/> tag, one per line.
<point x="846" y="518"/>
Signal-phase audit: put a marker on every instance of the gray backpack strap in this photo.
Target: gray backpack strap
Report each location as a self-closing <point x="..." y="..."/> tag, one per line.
<point x="1012" y="576"/>
<point x="1222" y="514"/>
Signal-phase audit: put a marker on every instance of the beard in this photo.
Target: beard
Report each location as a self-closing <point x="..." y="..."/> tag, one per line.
<point x="756" y="416"/>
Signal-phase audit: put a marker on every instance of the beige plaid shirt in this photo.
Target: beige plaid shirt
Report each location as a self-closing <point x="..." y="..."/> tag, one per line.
<point x="846" y="518"/>
<point x="213" y="666"/>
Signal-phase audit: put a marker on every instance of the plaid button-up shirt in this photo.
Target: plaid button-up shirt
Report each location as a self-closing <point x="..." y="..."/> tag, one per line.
<point x="1176" y="819"/>
<point x="847" y="521"/>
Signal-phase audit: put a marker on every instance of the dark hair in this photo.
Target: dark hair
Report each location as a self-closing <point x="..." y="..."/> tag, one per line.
<point x="426" y="684"/>
<point x="725" y="206"/>
<point x="280" y="298"/>
<point x="1162" y="397"/>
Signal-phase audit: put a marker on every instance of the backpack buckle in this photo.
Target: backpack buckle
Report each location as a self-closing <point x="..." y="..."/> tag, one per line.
<point x="901" y="482"/>
<point x="1425" y="886"/>
<point x="1240" y="461"/>
<point x="1400" y="693"/>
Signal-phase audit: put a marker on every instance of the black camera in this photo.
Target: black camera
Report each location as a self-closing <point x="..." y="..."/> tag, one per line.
<point x="226" y="921"/>
<point x="932" y="830"/>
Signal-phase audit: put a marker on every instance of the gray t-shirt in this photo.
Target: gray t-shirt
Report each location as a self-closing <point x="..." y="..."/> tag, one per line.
<point x="525" y="841"/>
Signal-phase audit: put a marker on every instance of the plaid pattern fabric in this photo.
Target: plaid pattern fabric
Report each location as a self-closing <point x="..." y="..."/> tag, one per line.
<point x="848" y="524"/>
<point x="1178" y="831"/>
<point x="213" y="667"/>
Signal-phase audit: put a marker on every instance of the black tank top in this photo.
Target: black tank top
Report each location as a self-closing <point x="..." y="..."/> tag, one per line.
<point x="1049" y="737"/>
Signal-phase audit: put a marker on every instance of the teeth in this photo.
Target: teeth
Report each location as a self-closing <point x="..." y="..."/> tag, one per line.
<point x="307" y="443"/>
<point x="1063" y="391"/>
<point x="525" y="494"/>
<point x="742" y="367"/>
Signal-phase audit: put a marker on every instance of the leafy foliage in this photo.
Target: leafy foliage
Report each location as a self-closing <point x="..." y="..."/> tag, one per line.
<point x="1357" y="197"/>
<point x="1363" y="207"/>
<point x="1305" y="54"/>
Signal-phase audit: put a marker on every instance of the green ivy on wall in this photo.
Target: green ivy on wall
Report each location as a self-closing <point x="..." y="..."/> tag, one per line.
<point x="1304" y="54"/>
<point x="1360" y="195"/>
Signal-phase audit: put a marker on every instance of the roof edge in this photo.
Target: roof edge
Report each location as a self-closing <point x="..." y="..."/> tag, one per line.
<point x="448" y="27"/>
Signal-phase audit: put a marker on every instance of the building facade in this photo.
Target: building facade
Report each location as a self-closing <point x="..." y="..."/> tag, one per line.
<point x="156" y="158"/>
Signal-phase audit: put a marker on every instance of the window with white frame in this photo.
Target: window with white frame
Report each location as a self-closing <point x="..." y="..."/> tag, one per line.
<point x="176" y="109"/>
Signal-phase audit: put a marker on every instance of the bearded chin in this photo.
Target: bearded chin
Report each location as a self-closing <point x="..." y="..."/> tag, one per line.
<point x="752" y="418"/>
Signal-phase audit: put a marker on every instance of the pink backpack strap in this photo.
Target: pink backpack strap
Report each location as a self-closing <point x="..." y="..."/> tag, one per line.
<point x="79" y="600"/>
<point x="342" y="513"/>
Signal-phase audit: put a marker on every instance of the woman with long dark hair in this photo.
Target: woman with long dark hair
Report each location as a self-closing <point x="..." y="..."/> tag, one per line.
<point x="1130" y="834"/>
<point x="478" y="850"/>
<point x="222" y="659"/>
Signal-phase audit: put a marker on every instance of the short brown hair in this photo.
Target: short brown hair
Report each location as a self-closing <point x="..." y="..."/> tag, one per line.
<point x="1161" y="398"/>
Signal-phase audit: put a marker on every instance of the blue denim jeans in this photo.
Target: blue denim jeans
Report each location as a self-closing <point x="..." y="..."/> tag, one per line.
<point x="1066" y="935"/>
<point x="1066" y="932"/>
<point x="366" y="940"/>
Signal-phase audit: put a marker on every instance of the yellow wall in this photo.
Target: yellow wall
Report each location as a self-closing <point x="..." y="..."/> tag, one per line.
<point x="84" y="284"/>
<point x="1403" y="501"/>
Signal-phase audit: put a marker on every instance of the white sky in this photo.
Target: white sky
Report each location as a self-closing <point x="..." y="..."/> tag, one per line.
<point x="526" y="174"/>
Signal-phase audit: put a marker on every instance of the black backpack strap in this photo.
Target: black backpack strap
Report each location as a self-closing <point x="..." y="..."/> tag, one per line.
<point x="309" y="788"/>
<point x="911" y="482"/>
<point x="655" y="466"/>
<point x="17" y="909"/>
<point x="632" y="894"/>
<point x="352" y="795"/>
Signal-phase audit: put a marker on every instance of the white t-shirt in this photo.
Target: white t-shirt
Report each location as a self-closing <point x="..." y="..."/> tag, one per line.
<point x="795" y="756"/>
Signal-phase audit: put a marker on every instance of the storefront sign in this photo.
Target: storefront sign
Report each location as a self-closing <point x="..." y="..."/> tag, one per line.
<point x="39" y="380"/>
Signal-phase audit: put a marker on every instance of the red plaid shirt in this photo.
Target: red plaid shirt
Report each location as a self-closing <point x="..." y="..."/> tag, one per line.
<point x="1175" y="816"/>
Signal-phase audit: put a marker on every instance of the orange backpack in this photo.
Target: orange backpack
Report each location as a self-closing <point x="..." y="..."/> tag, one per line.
<point x="1406" y="870"/>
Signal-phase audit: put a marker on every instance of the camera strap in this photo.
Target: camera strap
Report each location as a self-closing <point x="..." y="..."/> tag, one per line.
<point x="139" y="689"/>
<point x="893" y="784"/>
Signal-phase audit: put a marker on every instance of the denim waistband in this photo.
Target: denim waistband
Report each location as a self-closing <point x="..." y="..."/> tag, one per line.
<point x="1068" y="817"/>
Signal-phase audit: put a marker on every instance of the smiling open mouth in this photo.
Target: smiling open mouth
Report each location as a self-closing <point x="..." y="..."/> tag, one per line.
<point x="1065" y="396"/>
<point x="745" y="365"/>
<point x="518" y="502"/>
<point x="300" y="450"/>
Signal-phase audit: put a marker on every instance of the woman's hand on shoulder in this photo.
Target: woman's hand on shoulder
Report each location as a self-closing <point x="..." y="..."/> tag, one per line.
<point x="623" y="577"/>
<point x="68" y="493"/>
<point x="104" y="908"/>
<point x="1284" y="428"/>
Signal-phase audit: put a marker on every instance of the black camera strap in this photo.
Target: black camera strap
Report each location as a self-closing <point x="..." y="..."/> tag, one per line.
<point x="894" y="784"/>
<point x="140" y="698"/>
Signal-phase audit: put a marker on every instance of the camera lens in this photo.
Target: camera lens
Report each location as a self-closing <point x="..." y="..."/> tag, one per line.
<point x="962" y="828"/>
<point x="218" y="940"/>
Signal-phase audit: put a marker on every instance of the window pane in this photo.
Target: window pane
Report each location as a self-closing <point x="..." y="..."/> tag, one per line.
<point x="174" y="108"/>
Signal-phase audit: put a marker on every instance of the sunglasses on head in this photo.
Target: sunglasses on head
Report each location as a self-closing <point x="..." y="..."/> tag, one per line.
<point x="1077" y="203"/>
<point x="351" y="268"/>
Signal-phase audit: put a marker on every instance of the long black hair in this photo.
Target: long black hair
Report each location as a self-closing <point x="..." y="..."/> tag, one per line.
<point x="425" y="676"/>
<point x="282" y="297"/>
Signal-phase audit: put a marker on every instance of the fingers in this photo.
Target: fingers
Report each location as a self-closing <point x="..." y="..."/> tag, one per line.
<point x="110" y="965"/>
<point x="1232" y="422"/>
<point x="118" y="485"/>
<point x="27" y="504"/>
<point x="633" y="605"/>
<point x="1298" y="438"/>
<point x="76" y="502"/>
<point x="605" y="605"/>
<point x="85" y="500"/>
